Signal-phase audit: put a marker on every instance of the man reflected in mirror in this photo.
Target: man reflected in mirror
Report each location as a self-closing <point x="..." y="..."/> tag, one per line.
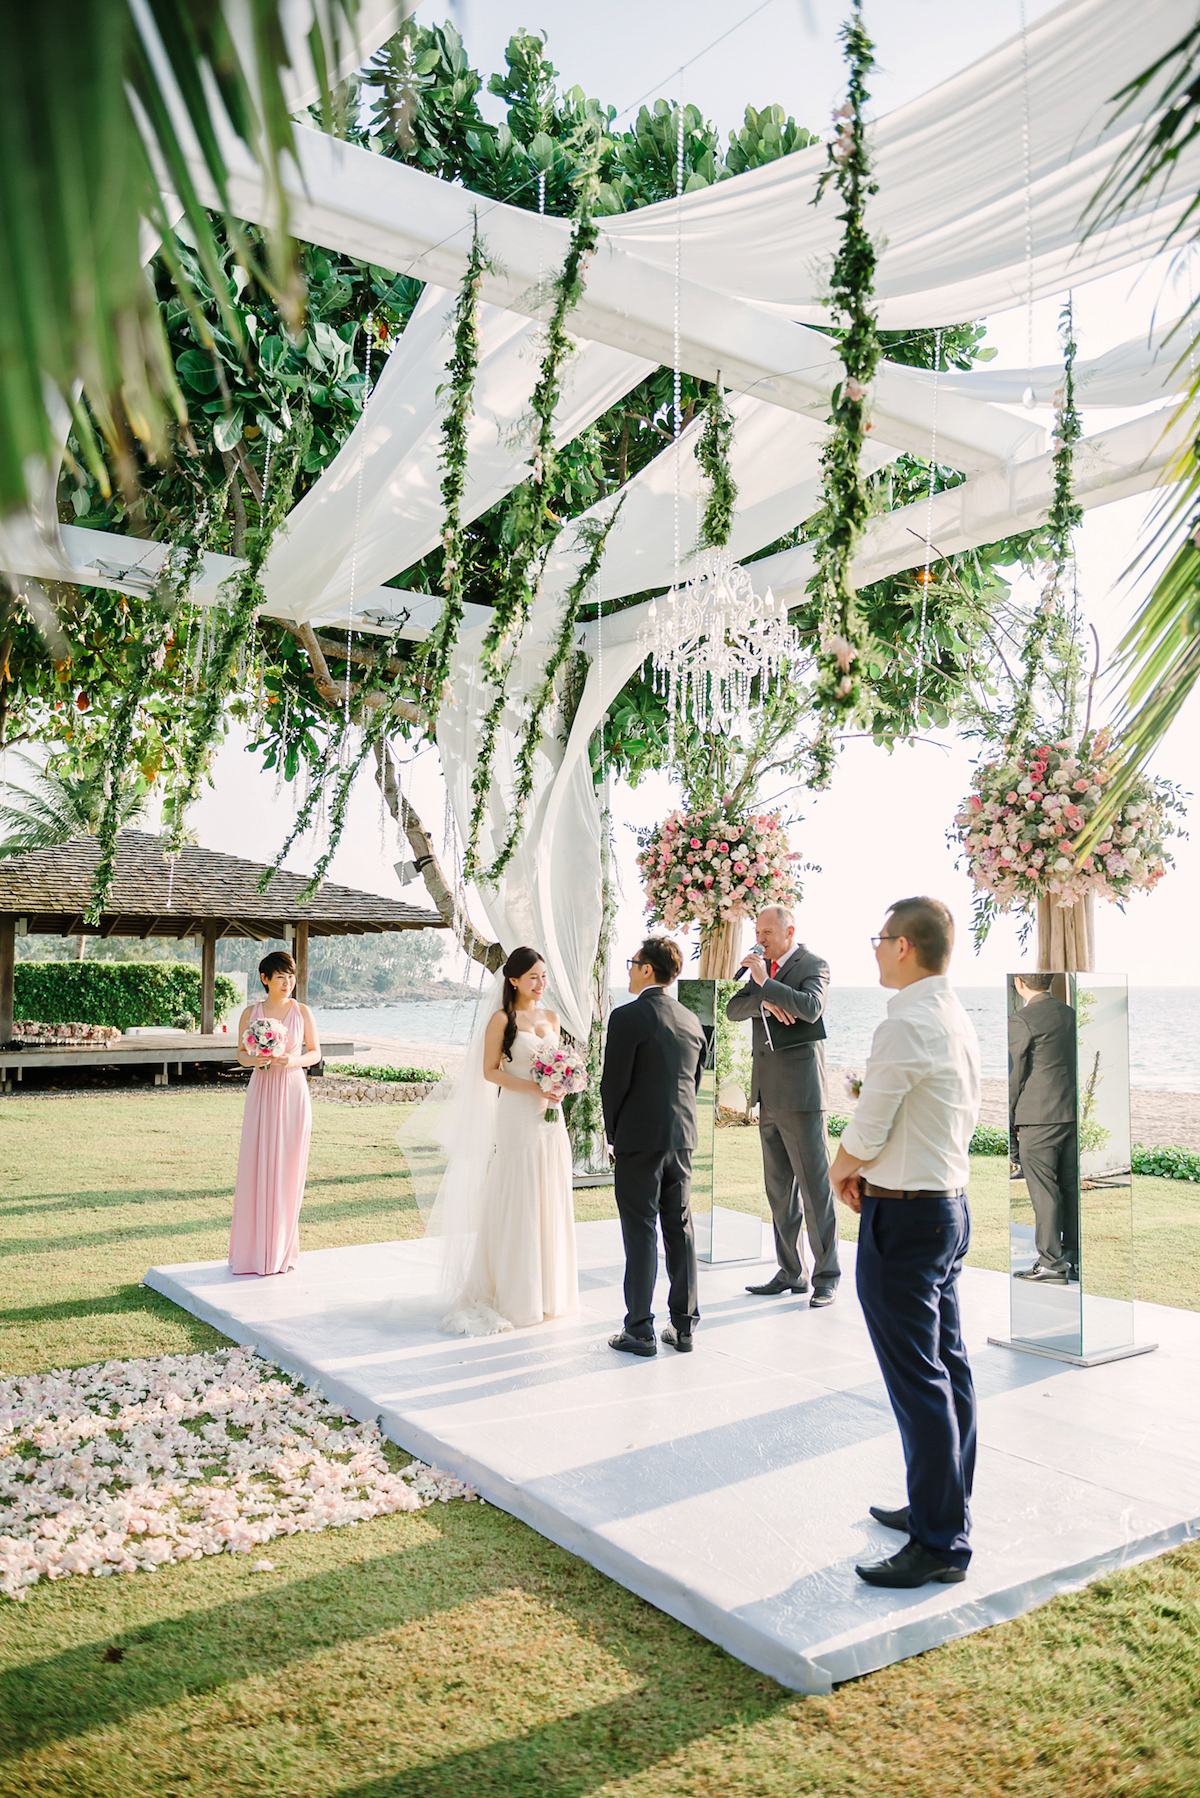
<point x="1043" y="1112"/>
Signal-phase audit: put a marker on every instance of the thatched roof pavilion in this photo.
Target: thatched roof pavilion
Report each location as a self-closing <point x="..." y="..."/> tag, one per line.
<point x="205" y="895"/>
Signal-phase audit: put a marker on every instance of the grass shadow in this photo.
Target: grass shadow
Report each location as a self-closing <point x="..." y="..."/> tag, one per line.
<point x="312" y="1213"/>
<point x="189" y="1656"/>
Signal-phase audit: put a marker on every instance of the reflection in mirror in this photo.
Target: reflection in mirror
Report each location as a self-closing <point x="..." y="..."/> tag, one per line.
<point x="1071" y="1211"/>
<point x="727" y="1191"/>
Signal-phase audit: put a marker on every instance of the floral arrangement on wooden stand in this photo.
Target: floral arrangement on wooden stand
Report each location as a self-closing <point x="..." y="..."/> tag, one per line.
<point x="1017" y="828"/>
<point x="709" y="867"/>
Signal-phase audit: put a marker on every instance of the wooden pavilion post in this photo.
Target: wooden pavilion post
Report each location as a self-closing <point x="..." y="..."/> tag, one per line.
<point x="720" y="955"/>
<point x="8" y="966"/>
<point x="208" y="979"/>
<point x="300" y="949"/>
<point x="1066" y="937"/>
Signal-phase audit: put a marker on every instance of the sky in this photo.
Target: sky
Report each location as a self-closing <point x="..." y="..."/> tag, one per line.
<point x="879" y="833"/>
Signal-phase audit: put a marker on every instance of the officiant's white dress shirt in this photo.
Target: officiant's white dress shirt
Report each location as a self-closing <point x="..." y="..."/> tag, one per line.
<point x="919" y="1102"/>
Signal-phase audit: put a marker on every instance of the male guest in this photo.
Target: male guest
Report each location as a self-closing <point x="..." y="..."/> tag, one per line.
<point x="652" y="1065"/>
<point x="1042" y="1111"/>
<point x="785" y="996"/>
<point x="902" y="1164"/>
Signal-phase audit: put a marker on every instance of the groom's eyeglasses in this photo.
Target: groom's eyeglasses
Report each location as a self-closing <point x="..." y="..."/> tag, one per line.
<point x="632" y="963"/>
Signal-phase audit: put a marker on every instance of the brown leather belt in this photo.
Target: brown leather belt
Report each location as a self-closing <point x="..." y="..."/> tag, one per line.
<point x="890" y="1192"/>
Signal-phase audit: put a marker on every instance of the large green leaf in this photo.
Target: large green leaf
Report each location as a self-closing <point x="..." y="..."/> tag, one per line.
<point x="82" y="96"/>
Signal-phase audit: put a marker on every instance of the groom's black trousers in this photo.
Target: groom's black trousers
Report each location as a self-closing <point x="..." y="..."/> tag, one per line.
<point x="656" y="1184"/>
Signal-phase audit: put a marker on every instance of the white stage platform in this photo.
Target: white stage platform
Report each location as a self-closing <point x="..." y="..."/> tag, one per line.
<point x="730" y="1487"/>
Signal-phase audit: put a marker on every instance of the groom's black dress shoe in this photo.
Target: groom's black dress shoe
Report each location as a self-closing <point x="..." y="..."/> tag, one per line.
<point x="779" y="1284"/>
<point x="893" y="1520"/>
<point x="678" y="1339"/>
<point x="912" y="1566"/>
<point x="633" y="1345"/>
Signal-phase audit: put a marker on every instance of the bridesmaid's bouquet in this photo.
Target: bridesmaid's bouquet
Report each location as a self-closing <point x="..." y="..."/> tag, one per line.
<point x="265" y="1037"/>
<point x="561" y="1071"/>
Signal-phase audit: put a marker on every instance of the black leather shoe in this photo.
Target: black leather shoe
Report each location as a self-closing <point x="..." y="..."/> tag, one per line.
<point x="912" y="1566"/>
<point x="893" y="1520"/>
<point x="822" y="1295"/>
<point x="1044" y="1276"/>
<point x="779" y="1284"/>
<point x="678" y="1339"/>
<point x="633" y="1345"/>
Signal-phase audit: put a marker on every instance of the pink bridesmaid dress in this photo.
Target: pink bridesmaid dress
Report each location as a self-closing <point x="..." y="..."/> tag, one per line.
<point x="272" y="1163"/>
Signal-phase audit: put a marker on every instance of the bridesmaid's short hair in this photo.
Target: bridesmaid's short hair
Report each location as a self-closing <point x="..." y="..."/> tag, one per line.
<point x="662" y="957"/>
<point x="278" y="962"/>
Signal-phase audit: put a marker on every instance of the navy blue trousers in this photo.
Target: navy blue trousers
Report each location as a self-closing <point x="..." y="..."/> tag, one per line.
<point x="909" y="1255"/>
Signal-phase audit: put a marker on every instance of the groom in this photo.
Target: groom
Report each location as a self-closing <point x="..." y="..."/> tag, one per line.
<point x="652" y="1065"/>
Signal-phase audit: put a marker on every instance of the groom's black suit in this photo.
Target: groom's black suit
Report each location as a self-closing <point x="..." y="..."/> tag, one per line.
<point x="652" y="1066"/>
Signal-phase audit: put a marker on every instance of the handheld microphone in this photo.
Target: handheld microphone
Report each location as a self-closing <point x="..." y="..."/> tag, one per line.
<point x="756" y="950"/>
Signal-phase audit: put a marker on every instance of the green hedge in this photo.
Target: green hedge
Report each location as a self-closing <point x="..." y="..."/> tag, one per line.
<point x="1163" y="1163"/>
<point x="405" y="1076"/>
<point x="128" y="994"/>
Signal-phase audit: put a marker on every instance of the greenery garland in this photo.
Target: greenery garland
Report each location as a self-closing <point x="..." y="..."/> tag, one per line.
<point x="842" y="641"/>
<point x="158" y="627"/>
<point x="1049" y="621"/>
<point x="247" y="596"/>
<point x="530" y="525"/>
<point x="593" y="534"/>
<point x="712" y="453"/>
<point x="462" y="369"/>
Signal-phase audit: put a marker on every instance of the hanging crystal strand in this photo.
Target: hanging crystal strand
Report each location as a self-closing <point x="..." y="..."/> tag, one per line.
<point x="925" y="575"/>
<point x="677" y="363"/>
<point x="1029" y="398"/>
<point x="362" y="463"/>
<point x="281" y="755"/>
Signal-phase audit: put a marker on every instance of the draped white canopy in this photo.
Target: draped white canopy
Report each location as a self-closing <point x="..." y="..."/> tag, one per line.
<point x="956" y="220"/>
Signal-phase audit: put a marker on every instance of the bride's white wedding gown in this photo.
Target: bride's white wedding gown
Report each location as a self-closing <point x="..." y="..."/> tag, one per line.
<point x="523" y="1269"/>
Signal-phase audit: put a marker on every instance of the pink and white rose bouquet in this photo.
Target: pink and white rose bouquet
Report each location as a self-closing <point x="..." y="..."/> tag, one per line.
<point x="706" y="867"/>
<point x="559" y="1070"/>
<point x="264" y="1036"/>
<point x="1017" y="826"/>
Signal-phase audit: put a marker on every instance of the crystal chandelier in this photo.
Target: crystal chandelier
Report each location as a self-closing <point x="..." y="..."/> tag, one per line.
<point x="711" y="640"/>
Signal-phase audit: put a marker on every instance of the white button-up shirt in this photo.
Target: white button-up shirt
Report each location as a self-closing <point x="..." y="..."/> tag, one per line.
<point x="919" y="1103"/>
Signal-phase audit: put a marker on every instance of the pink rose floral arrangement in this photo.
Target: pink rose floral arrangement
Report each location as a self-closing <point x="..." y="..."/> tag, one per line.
<point x="559" y="1070"/>
<point x="707" y="866"/>
<point x="263" y="1036"/>
<point x="1018" y="824"/>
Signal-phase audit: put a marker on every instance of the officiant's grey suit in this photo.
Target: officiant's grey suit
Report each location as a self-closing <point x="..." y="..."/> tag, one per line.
<point x="789" y="1086"/>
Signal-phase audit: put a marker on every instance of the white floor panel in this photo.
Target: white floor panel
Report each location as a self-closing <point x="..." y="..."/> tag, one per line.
<point x="730" y="1487"/>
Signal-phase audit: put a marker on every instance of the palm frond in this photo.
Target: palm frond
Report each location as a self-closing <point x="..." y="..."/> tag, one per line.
<point x="93" y="112"/>
<point x="56" y="807"/>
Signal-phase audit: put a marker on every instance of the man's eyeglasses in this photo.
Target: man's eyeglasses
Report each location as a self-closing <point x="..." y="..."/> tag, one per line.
<point x="876" y="940"/>
<point x="632" y="963"/>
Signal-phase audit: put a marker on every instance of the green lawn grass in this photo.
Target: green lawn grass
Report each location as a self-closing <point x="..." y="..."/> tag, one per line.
<point x="454" y="1653"/>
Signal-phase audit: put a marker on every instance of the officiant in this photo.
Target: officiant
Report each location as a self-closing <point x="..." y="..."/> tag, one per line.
<point x="785" y="997"/>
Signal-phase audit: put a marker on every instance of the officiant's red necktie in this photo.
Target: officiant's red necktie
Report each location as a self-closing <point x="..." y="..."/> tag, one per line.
<point x="774" y="967"/>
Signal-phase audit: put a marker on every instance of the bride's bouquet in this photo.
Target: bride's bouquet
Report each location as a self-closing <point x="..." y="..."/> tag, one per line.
<point x="561" y="1071"/>
<point x="265" y="1037"/>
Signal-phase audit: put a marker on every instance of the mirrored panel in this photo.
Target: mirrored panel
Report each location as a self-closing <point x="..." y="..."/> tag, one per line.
<point x="1071" y="1212"/>
<point x="727" y="1186"/>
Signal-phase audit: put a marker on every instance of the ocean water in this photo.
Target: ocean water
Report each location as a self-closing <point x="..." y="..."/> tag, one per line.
<point x="1164" y="1028"/>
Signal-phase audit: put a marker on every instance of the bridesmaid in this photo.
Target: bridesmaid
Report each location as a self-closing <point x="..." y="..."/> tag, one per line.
<point x="273" y="1158"/>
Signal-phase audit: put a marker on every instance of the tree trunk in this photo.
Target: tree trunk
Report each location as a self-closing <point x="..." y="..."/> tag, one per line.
<point x="720" y="955"/>
<point x="1066" y="937"/>
<point x="438" y="887"/>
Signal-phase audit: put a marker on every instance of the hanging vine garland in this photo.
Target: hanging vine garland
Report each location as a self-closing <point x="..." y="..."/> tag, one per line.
<point x="529" y="523"/>
<point x="593" y="534"/>
<point x="462" y="369"/>
<point x="712" y="453"/>
<point x="838" y="691"/>
<point x="1065" y="513"/>
<point x="246" y="598"/>
<point x="158" y="629"/>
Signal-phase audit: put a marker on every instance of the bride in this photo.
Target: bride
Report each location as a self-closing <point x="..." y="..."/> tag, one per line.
<point x="504" y="1205"/>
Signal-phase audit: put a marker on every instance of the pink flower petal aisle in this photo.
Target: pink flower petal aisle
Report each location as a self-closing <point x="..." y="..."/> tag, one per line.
<point x="123" y="1467"/>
